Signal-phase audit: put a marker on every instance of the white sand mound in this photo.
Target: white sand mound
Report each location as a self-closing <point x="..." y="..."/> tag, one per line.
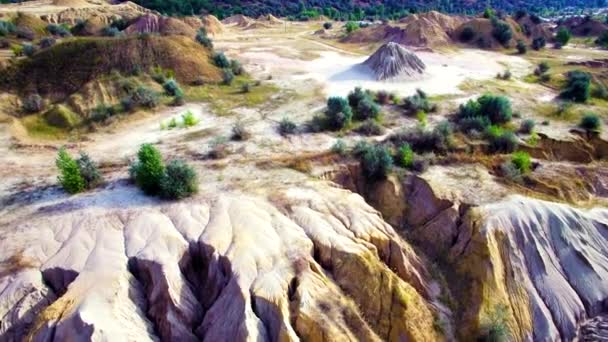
<point x="393" y="61"/>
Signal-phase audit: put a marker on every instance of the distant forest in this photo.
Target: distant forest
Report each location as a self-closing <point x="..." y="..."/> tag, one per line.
<point x="361" y="9"/>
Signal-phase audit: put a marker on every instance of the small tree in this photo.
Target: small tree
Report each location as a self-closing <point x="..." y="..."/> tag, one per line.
<point x="178" y="181"/>
<point x="339" y="113"/>
<point x="89" y="171"/>
<point x="148" y="170"/>
<point x="538" y="43"/>
<point x="578" y="86"/>
<point x="327" y="25"/>
<point x="351" y="26"/>
<point x="70" y="178"/>
<point x="521" y="47"/>
<point x="376" y="162"/>
<point x="591" y="122"/>
<point x="563" y="36"/>
<point x="172" y="88"/>
<point x="220" y="60"/>
<point x="521" y="160"/>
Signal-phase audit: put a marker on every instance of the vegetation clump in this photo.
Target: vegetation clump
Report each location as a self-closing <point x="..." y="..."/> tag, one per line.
<point x="172" y="88"/>
<point x="142" y="97"/>
<point x="202" y="38"/>
<point x="521" y="46"/>
<point x="501" y="31"/>
<point x="33" y="103"/>
<point x="338" y="114"/>
<point x="527" y="126"/>
<point x="419" y="102"/>
<point x="563" y="36"/>
<point x="240" y="132"/>
<point x="77" y="175"/>
<point x="538" y="43"/>
<point x="148" y="170"/>
<point x="500" y="140"/>
<point x="578" y="86"/>
<point x="591" y="122"/>
<point x="521" y="160"/>
<point x="287" y="127"/>
<point x="376" y="161"/>
<point x="221" y="61"/>
<point x="178" y="181"/>
<point x="497" y="109"/>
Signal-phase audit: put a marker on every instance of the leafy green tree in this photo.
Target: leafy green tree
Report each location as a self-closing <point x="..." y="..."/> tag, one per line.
<point x="563" y="36"/>
<point x="70" y="178"/>
<point x="339" y="113"/>
<point x="521" y="47"/>
<point x="89" y="171"/>
<point x="351" y="26"/>
<point x="578" y="86"/>
<point x="221" y="61"/>
<point x="178" y="181"/>
<point x="602" y="40"/>
<point x="591" y="122"/>
<point x="148" y="170"/>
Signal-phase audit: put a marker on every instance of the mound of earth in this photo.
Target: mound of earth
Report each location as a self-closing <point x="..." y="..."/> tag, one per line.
<point x="534" y="29"/>
<point x="420" y="30"/>
<point x="483" y="37"/>
<point x="393" y="61"/>
<point x="269" y="18"/>
<point x="105" y="11"/>
<point x="71" y="3"/>
<point x="64" y="68"/>
<point x="314" y="263"/>
<point x="584" y="26"/>
<point x="92" y="26"/>
<point x="152" y="23"/>
<point x="238" y="20"/>
<point x="31" y="23"/>
<point x="212" y="24"/>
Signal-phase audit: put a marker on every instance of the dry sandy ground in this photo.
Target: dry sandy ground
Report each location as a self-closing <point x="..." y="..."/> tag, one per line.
<point x="42" y="7"/>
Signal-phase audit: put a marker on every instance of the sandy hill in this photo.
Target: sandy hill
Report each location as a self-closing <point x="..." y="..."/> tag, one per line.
<point x="269" y="18"/>
<point x="584" y="26"/>
<point x="483" y="37"/>
<point x="212" y="24"/>
<point x="64" y="68"/>
<point x="533" y="29"/>
<point x="152" y="23"/>
<point x="421" y="30"/>
<point x="238" y="20"/>
<point x="393" y="61"/>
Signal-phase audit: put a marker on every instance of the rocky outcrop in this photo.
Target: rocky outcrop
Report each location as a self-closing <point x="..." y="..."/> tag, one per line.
<point x="229" y="267"/>
<point x="393" y="61"/>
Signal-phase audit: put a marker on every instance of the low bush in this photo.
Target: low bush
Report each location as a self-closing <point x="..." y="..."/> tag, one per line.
<point x="563" y="36"/>
<point x="405" y="156"/>
<point x="370" y="127"/>
<point x="423" y="139"/>
<point x="591" y="122"/>
<point x="178" y="100"/>
<point x="474" y="123"/>
<point x="495" y="327"/>
<point x="47" y="42"/>
<point x="500" y="140"/>
<point x="28" y="49"/>
<point x="178" y="181"/>
<point x="351" y="26"/>
<point x="578" y="86"/>
<point x="218" y="148"/>
<point x="58" y="30"/>
<point x="287" y="127"/>
<point x="496" y="108"/>
<point x="172" y="88"/>
<point x="356" y="96"/>
<point x="521" y="46"/>
<point x="102" y="112"/>
<point x="521" y="160"/>
<point x="221" y="61"/>
<point x="502" y="32"/>
<point x="467" y="34"/>
<point x="6" y="28"/>
<point x="376" y="162"/>
<point x="339" y="147"/>
<point x="366" y="109"/>
<point x="33" y="103"/>
<point x="339" y="113"/>
<point x="512" y="173"/>
<point x="188" y="119"/>
<point x="203" y="39"/>
<point x="246" y="88"/>
<point x="538" y="43"/>
<point x="527" y="126"/>
<point x="69" y="174"/>
<point x="111" y="32"/>
<point x="227" y="76"/>
<point x="418" y="102"/>
<point x="236" y="67"/>
<point x="240" y="132"/>
<point x="141" y="97"/>
<point x="327" y="25"/>
<point x="148" y="170"/>
<point x="89" y="171"/>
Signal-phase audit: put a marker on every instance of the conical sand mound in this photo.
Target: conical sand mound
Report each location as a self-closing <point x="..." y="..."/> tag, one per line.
<point x="393" y="61"/>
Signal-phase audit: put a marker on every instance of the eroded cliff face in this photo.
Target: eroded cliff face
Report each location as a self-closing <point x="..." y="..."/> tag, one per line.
<point x="312" y="263"/>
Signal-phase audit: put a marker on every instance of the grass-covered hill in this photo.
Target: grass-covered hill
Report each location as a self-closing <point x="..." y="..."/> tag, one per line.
<point x="64" y="68"/>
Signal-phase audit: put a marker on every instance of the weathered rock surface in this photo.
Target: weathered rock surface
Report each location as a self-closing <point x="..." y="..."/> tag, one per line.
<point x="227" y="268"/>
<point x="152" y="23"/>
<point x="393" y="61"/>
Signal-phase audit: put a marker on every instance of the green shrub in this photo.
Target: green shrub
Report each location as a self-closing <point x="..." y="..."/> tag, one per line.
<point x="70" y="178"/>
<point x="351" y="26"/>
<point x="141" y="97"/>
<point x="339" y="114"/>
<point x="148" y="170"/>
<point x="6" y="28"/>
<point x="28" y="49"/>
<point x="339" y="147"/>
<point x="418" y="102"/>
<point x="172" y="88"/>
<point x="178" y="181"/>
<point x="366" y="109"/>
<point x="227" y="76"/>
<point x="240" y="132"/>
<point x="527" y="126"/>
<point x="355" y="96"/>
<point x="203" y="39"/>
<point x="563" y="36"/>
<point x="188" y="119"/>
<point x="246" y="88"/>
<point x="370" y="127"/>
<point x="467" y="34"/>
<point x="110" y="31"/>
<point x="521" y="46"/>
<point x="58" y="30"/>
<point x="500" y="140"/>
<point x="542" y="68"/>
<point x="591" y="122"/>
<point x="474" y="123"/>
<point x="89" y="171"/>
<point x="405" y="156"/>
<point x="221" y="61"/>
<point x="376" y="162"/>
<point x="494" y="327"/>
<point x="172" y="123"/>
<point x="496" y="108"/>
<point x="102" y="112"/>
<point x="521" y="160"/>
<point x="422" y="139"/>
<point x="489" y="13"/>
<point x="327" y="25"/>
<point x="287" y="127"/>
<point x="502" y="32"/>
<point x="578" y="86"/>
<point x="538" y="43"/>
<point x="236" y="67"/>
<point x="47" y="42"/>
<point x="33" y="103"/>
<point x="602" y="40"/>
